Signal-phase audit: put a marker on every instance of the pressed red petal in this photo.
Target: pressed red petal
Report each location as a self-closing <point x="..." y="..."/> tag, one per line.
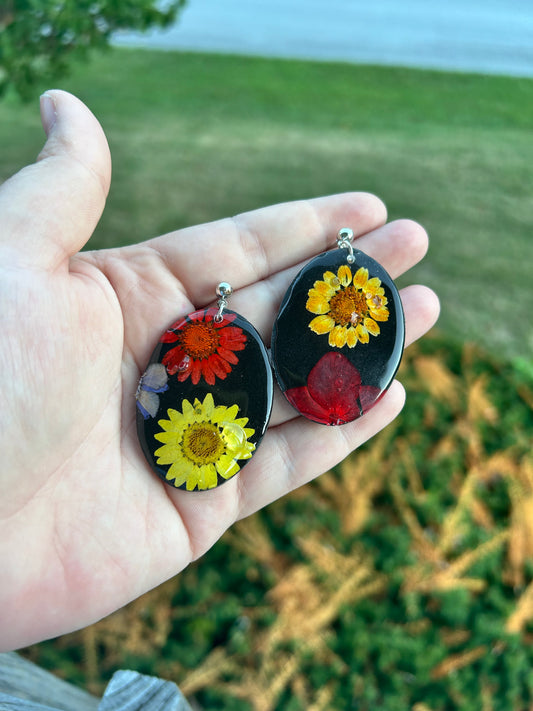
<point x="226" y="367"/>
<point x="207" y="371"/>
<point x="219" y="367"/>
<point x="304" y="403"/>
<point x="215" y="368"/>
<point x="232" y="334"/>
<point x="184" y="374"/>
<point x="334" y="380"/>
<point x="233" y="345"/>
<point x="199" y="316"/>
<point x="174" y="360"/>
<point x="169" y="337"/>
<point x="227" y="355"/>
<point x="185" y="369"/>
<point x="196" y="371"/>
<point x="334" y="383"/>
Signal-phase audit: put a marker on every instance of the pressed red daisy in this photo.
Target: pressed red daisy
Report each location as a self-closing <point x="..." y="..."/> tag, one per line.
<point x="205" y="348"/>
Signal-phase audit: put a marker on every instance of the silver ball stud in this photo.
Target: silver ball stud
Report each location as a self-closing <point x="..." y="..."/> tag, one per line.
<point x="224" y="289"/>
<point x="345" y="235"/>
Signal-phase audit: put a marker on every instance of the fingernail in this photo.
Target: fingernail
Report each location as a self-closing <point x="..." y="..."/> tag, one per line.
<point x="48" y="112"/>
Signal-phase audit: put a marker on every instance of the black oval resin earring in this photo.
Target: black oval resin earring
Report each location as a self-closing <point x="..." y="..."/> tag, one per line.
<point x="204" y="400"/>
<point x="339" y="335"/>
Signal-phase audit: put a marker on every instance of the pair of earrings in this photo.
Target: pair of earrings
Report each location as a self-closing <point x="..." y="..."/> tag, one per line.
<point x="204" y="401"/>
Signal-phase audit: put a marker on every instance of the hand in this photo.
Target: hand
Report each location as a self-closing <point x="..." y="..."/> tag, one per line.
<point x="85" y="526"/>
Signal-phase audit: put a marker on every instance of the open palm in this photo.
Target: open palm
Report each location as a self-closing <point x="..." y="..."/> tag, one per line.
<point x="85" y="526"/>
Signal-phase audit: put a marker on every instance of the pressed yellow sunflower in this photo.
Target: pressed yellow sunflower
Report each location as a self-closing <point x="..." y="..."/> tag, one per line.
<point x="348" y="306"/>
<point x="202" y="442"/>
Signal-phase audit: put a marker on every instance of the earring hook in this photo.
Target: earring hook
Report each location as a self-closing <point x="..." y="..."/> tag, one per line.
<point x="344" y="241"/>
<point x="223" y="291"/>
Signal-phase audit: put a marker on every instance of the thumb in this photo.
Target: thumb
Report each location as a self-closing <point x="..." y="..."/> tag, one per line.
<point x="51" y="208"/>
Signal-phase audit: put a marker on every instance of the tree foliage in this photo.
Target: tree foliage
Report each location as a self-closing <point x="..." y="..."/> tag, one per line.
<point x="39" y="37"/>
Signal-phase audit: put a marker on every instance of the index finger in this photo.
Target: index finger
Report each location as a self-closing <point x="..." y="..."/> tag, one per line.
<point x="249" y="247"/>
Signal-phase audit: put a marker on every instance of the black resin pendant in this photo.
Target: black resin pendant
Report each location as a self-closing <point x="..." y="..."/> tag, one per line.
<point x="204" y="401"/>
<point x="338" y="338"/>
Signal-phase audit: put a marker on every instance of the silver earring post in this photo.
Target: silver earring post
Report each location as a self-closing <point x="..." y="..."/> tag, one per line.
<point x="344" y="241"/>
<point x="223" y="291"/>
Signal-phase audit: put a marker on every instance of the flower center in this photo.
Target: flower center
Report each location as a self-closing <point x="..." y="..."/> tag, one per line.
<point x="202" y="443"/>
<point x="199" y="340"/>
<point x="348" y="307"/>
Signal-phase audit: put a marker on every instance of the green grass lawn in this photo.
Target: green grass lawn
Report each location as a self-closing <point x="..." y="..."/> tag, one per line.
<point x="197" y="137"/>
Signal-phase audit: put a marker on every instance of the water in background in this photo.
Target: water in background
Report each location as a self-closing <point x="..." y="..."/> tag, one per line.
<point x="489" y="36"/>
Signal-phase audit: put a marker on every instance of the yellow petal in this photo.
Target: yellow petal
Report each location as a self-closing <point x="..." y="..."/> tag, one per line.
<point x="322" y="288"/>
<point x="337" y="337"/>
<point x="362" y="334"/>
<point x="351" y="337"/>
<point x="345" y="275"/>
<point x="224" y="464"/>
<point x="201" y="477"/>
<point x="373" y="286"/>
<point x="360" y="278"/>
<point x="211" y="478"/>
<point x="207" y="478"/>
<point x="179" y="474"/>
<point x="322" y="324"/>
<point x="188" y="411"/>
<point x="381" y="314"/>
<point x="230" y="471"/>
<point x="333" y="280"/>
<point x="168" y="453"/>
<point x="317" y="305"/>
<point x="208" y="405"/>
<point x="234" y="437"/>
<point x="245" y="452"/>
<point x="176" y="420"/>
<point x="173" y="438"/>
<point x="250" y="449"/>
<point x="192" y="479"/>
<point x="371" y="326"/>
<point x="341" y="336"/>
<point x="232" y="412"/>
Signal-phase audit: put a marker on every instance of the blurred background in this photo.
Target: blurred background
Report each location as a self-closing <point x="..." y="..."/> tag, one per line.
<point x="404" y="578"/>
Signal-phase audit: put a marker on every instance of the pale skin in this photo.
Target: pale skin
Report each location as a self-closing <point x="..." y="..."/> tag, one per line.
<point x="85" y="526"/>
